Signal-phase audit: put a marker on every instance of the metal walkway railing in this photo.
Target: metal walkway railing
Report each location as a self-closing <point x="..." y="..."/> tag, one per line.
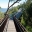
<point x="3" y="23"/>
<point x="19" y="26"/>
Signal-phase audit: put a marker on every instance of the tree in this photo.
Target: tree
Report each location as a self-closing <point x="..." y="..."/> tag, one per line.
<point x="11" y="5"/>
<point x="12" y="11"/>
<point x="27" y="15"/>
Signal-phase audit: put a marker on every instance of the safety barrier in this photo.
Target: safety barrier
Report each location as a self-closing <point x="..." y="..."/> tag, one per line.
<point x="19" y="26"/>
<point x="3" y="23"/>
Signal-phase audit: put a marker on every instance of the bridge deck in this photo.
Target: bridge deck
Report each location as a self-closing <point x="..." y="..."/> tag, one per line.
<point x="11" y="26"/>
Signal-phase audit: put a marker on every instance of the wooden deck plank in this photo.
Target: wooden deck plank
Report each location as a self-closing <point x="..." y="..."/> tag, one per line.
<point x="11" y="26"/>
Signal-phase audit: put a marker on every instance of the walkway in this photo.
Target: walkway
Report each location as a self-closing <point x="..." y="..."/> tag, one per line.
<point x="11" y="26"/>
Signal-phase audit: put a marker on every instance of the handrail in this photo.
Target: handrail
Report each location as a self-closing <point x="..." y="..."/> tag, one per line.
<point x="6" y="26"/>
<point x="3" y="23"/>
<point x="3" y="20"/>
<point x="19" y="26"/>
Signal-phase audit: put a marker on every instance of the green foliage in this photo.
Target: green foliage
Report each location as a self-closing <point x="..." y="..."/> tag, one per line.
<point x="26" y="19"/>
<point x="1" y="15"/>
<point x="22" y="21"/>
<point x="12" y="11"/>
<point x="27" y="14"/>
<point x="29" y="28"/>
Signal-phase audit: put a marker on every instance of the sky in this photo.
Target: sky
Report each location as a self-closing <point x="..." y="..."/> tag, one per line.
<point x="4" y="3"/>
